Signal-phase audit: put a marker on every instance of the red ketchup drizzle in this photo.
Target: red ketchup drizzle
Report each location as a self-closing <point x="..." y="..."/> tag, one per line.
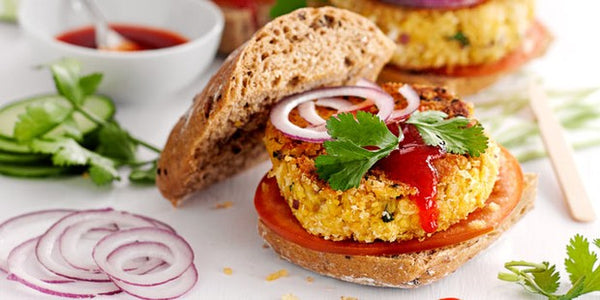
<point x="146" y="38"/>
<point x="411" y="164"/>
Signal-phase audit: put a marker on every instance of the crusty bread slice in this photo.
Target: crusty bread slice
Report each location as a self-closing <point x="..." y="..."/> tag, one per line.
<point x="221" y="133"/>
<point x="409" y="270"/>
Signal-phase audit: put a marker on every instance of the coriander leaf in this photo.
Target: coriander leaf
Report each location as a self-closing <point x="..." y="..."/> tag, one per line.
<point x="548" y="279"/>
<point x="580" y="263"/>
<point x="67" y="152"/>
<point x="66" y="78"/>
<point x="455" y="135"/>
<point x="89" y="83"/>
<point x="282" y="7"/>
<point x="346" y="161"/>
<point x="40" y="118"/>
<point x="461" y="38"/>
<point x="68" y="128"/>
<point x="115" y="142"/>
<point x="144" y="176"/>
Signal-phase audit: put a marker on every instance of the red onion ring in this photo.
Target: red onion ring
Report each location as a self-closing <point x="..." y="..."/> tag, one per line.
<point x="21" y="228"/>
<point x="308" y="110"/>
<point x="27" y="271"/>
<point x="413" y="101"/>
<point x="435" y="4"/>
<point x="48" y="249"/>
<point x="280" y="113"/>
<point x="172" y="289"/>
<point x="114" y="250"/>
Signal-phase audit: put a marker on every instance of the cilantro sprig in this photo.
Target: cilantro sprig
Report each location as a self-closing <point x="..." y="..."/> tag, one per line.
<point x="455" y="135"/>
<point x="347" y="160"/>
<point x="113" y="145"/>
<point x="542" y="278"/>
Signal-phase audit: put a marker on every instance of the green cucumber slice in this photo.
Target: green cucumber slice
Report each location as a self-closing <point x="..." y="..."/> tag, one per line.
<point x="101" y="106"/>
<point x="10" y="145"/>
<point x="31" y="171"/>
<point x="22" y="158"/>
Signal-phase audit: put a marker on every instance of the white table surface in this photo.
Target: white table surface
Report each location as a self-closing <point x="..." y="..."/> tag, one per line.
<point x="228" y="238"/>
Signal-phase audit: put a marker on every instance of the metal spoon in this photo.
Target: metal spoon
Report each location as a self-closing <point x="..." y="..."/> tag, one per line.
<point x="106" y="38"/>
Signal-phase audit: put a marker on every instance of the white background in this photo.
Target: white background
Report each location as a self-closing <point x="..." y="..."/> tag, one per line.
<point x="228" y="238"/>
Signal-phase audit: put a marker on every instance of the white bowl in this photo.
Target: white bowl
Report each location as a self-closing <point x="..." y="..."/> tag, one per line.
<point x="129" y="76"/>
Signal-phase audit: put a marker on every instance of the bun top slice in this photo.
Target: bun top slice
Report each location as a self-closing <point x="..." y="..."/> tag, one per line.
<point x="221" y="133"/>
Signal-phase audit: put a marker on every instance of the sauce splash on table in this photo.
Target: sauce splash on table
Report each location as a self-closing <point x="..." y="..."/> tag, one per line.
<point x="146" y="38"/>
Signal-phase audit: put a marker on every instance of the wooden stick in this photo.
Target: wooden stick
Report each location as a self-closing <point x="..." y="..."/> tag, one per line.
<point x="561" y="156"/>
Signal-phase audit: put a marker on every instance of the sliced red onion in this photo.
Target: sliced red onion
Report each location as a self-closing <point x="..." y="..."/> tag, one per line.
<point x="280" y="113"/>
<point x="28" y="271"/>
<point x="58" y="257"/>
<point x="435" y="4"/>
<point x="170" y="290"/>
<point x="413" y="101"/>
<point x="114" y="250"/>
<point x="308" y="110"/>
<point x="19" y="229"/>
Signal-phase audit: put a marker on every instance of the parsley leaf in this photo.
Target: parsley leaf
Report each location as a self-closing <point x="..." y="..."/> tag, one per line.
<point x="144" y="176"/>
<point x="544" y="279"/>
<point x="40" y="118"/>
<point x="455" y="135"/>
<point x="461" y="38"/>
<point x="282" y="7"/>
<point x="347" y="161"/>
<point x="66" y="79"/>
<point x="116" y="143"/>
<point x="67" y="152"/>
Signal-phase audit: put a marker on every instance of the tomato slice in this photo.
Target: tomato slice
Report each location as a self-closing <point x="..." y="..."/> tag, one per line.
<point x="536" y="42"/>
<point x="276" y="214"/>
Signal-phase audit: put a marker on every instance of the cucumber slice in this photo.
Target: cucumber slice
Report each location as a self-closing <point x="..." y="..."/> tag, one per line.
<point x="22" y="158"/>
<point x="101" y="106"/>
<point x="31" y="171"/>
<point x="10" y="145"/>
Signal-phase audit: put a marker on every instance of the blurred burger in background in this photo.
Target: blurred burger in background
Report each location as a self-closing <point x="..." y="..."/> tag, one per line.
<point x="465" y="45"/>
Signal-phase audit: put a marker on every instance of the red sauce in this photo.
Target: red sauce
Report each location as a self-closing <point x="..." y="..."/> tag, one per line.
<point x="451" y="298"/>
<point x="411" y="164"/>
<point x="147" y="38"/>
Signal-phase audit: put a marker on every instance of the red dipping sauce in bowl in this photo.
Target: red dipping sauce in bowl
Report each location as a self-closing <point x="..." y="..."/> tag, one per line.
<point x="145" y="37"/>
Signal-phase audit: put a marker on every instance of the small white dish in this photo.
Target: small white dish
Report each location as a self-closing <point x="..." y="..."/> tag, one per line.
<point x="129" y="76"/>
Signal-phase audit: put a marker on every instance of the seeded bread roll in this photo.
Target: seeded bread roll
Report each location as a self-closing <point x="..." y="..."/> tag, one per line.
<point x="221" y="133"/>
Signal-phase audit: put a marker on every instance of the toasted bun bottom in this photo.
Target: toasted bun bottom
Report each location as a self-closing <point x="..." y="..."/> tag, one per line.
<point x="408" y="270"/>
<point x="534" y="46"/>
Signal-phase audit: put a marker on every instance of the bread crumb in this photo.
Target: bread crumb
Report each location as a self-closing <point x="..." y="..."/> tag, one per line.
<point x="289" y="296"/>
<point x="277" y="275"/>
<point x="228" y="271"/>
<point x="309" y="279"/>
<point x="266" y="246"/>
<point x="223" y="205"/>
<point x="477" y="224"/>
<point x="348" y="298"/>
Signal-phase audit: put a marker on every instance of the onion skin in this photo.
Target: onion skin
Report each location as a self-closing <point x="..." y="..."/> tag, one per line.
<point x="435" y="4"/>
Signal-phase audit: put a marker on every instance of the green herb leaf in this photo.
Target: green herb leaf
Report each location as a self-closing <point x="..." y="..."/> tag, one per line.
<point x="346" y="161"/>
<point x="89" y="83"/>
<point x="66" y="78"/>
<point x="544" y="279"/>
<point x="40" y="118"/>
<point x="115" y="142"/>
<point x="455" y="135"/>
<point x="580" y="263"/>
<point x="144" y="176"/>
<point x="67" y="152"/>
<point x="461" y="38"/>
<point x="283" y="7"/>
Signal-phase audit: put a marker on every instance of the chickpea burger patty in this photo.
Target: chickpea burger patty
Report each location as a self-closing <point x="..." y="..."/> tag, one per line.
<point x="464" y="184"/>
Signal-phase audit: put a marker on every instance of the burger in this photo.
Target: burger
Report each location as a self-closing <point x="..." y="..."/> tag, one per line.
<point x="394" y="185"/>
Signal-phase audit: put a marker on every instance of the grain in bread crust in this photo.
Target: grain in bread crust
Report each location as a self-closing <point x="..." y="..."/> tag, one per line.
<point x="221" y="133"/>
<point x="408" y="270"/>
